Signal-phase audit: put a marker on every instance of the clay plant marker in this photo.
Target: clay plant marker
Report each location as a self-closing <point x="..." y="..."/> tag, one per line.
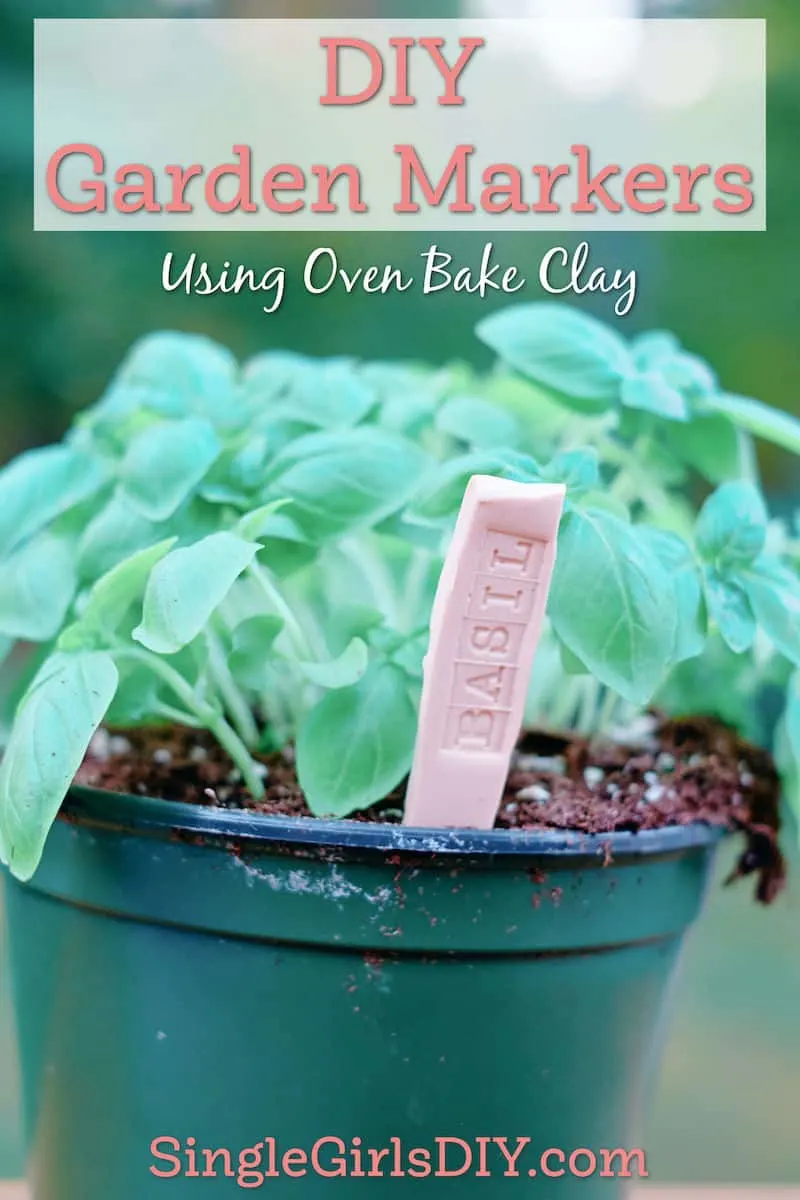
<point x="485" y="625"/>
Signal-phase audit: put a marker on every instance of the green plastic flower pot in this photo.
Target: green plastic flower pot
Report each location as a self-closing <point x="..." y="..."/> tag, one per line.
<point x="186" y="973"/>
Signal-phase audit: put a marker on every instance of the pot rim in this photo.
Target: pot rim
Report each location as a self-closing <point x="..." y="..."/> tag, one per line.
<point x="154" y="817"/>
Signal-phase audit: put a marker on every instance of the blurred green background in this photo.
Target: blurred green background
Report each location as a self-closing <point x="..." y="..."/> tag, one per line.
<point x="70" y="304"/>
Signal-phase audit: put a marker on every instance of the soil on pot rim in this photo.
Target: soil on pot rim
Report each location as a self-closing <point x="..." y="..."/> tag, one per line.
<point x="663" y="772"/>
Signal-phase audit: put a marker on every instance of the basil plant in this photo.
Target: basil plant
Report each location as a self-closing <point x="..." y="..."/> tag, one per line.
<point x="254" y="551"/>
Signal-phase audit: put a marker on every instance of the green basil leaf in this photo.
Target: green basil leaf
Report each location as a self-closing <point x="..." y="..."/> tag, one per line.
<point x="237" y="476"/>
<point x="194" y="520"/>
<point x="165" y="463"/>
<point x="120" y="409"/>
<point x="411" y="655"/>
<point x="708" y="444"/>
<point x="281" y="434"/>
<point x="185" y="588"/>
<point x="53" y="727"/>
<point x="412" y="530"/>
<point x="191" y="372"/>
<point x="113" y="594"/>
<point x="442" y="490"/>
<point x="676" y="556"/>
<point x="253" y="525"/>
<point x="137" y="699"/>
<point x="386" y="640"/>
<point x="688" y="373"/>
<point x="340" y="481"/>
<point x="409" y="412"/>
<point x="659" y="460"/>
<point x="267" y="377"/>
<point x="479" y="424"/>
<point x="776" y="605"/>
<point x="651" y="348"/>
<point x="42" y="484"/>
<point x="285" y="549"/>
<point x="561" y="348"/>
<point x="771" y="424"/>
<point x="604" y="501"/>
<point x="253" y="640"/>
<point x="569" y="661"/>
<point x="37" y="584"/>
<point x="330" y="395"/>
<point x="729" y="606"/>
<point x="348" y="621"/>
<point x="650" y="391"/>
<point x="222" y="493"/>
<point x="249" y="463"/>
<point x="719" y="683"/>
<point x="117" y="531"/>
<point x="612" y="603"/>
<point x="342" y="671"/>
<point x="322" y="394"/>
<point x="731" y="529"/>
<point x="579" y="469"/>
<point x="543" y="420"/>
<point x="356" y="744"/>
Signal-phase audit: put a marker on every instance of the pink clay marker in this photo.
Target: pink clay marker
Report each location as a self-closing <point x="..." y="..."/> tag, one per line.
<point x="485" y="626"/>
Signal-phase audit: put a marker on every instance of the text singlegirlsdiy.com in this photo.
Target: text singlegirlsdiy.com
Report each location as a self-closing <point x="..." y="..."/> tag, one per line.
<point x="445" y="1158"/>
